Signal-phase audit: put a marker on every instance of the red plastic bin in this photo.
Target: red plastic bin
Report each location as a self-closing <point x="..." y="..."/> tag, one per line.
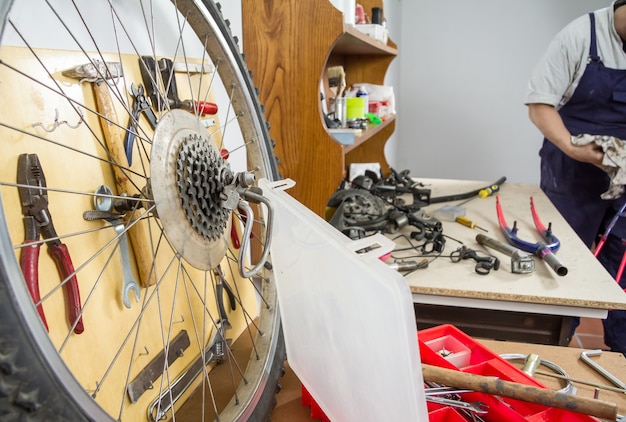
<point x="483" y="361"/>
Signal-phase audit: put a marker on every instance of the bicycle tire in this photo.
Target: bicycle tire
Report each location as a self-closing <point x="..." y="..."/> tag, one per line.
<point x="37" y="380"/>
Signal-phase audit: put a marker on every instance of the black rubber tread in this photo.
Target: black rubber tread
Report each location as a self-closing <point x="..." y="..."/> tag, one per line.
<point x="28" y="389"/>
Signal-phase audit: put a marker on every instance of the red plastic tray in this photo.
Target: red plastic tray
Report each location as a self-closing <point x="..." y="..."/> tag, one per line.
<point x="483" y="361"/>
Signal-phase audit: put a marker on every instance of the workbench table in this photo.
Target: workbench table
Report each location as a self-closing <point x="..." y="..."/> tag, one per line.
<point x="535" y="307"/>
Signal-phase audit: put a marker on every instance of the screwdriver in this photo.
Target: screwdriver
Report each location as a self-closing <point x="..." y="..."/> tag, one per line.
<point x="468" y="223"/>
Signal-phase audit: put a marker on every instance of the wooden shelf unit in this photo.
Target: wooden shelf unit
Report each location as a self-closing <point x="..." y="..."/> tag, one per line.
<point x="288" y="45"/>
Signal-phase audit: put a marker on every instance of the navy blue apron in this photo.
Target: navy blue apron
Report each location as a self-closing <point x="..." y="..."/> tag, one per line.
<point x="597" y="107"/>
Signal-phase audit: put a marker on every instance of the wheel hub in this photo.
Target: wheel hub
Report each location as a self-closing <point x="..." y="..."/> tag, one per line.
<point x="200" y="177"/>
<point x="188" y="179"/>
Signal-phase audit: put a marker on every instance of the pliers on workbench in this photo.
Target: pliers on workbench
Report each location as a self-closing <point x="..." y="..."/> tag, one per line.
<point x="544" y="250"/>
<point x="38" y="223"/>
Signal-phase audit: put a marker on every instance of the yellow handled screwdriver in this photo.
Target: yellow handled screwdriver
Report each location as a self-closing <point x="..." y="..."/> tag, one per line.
<point x="468" y="223"/>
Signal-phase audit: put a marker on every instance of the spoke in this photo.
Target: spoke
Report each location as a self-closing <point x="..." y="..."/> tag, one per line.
<point x="84" y="154"/>
<point x="82" y="266"/>
<point x="147" y="300"/>
<point x="201" y="342"/>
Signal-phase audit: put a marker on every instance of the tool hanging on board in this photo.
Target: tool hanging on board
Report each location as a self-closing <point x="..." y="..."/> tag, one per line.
<point x="141" y="105"/>
<point x="544" y="250"/>
<point x="164" y="359"/>
<point x="155" y="72"/>
<point x="98" y="73"/>
<point x="38" y="223"/>
<point x="105" y="210"/>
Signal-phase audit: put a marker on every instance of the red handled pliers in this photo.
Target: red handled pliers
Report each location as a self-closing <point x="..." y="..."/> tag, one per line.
<point x="544" y="250"/>
<point x="38" y="223"/>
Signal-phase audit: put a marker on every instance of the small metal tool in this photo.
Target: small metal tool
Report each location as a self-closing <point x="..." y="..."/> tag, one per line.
<point x="143" y="381"/>
<point x="476" y="407"/>
<point x="104" y="203"/>
<point x="141" y="104"/>
<point x="585" y="356"/>
<point x="521" y="262"/>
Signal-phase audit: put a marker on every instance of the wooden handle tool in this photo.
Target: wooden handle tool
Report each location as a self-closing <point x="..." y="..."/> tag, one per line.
<point x="139" y="234"/>
<point x="114" y="136"/>
<point x="531" y="394"/>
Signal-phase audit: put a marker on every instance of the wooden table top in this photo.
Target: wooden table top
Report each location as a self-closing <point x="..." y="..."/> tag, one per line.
<point x="586" y="285"/>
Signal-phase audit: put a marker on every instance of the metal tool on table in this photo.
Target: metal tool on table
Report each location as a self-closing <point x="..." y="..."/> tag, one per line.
<point x="141" y="105"/>
<point x="586" y="357"/>
<point x="468" y="223"/>
<point x="544" y="250"/>
<point x="475" y="407"/>
<point x="408" y="265"/>
<point x="103" y="203"/>
<point x="155" y="72"/>
<point x="38" y="223"/>
<point x="97" y="73"/>
<point x="521" y="262"/>
<point x="484" y="264"/>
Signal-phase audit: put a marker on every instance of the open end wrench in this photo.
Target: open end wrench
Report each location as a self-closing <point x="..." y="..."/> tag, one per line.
<point x="104" y="203"/>
<point x="585" y="356"/>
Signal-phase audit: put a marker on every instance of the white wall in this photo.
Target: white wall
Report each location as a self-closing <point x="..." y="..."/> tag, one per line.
<point x="464" y="66"/>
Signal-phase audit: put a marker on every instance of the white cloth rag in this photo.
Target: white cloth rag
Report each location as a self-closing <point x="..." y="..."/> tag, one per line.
<point x="614" y="161"/>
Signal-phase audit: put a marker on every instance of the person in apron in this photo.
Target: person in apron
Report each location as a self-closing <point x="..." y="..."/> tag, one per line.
<point x="594" y="103"/>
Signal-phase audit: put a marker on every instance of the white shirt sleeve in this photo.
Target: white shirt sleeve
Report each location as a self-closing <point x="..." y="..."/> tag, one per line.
<point x="556" y="75"/>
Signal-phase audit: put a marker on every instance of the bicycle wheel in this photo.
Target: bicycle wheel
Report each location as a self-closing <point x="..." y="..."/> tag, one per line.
<point x="132" y="140"/>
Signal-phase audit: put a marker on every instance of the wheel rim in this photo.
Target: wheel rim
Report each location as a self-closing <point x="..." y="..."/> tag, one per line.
<point x="192" y="258"/>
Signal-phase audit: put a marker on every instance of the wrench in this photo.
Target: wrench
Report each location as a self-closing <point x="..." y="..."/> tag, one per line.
<point x="105" y="204"/>
<point x="585" y="356"/>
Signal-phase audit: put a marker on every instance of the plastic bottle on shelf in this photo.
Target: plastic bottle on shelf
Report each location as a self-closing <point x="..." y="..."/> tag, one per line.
<point x="362" y="93"/>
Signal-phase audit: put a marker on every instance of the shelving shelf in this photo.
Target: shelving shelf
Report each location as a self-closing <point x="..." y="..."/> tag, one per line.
<point x="289" y="45"/>
<point x="371" y="131"/>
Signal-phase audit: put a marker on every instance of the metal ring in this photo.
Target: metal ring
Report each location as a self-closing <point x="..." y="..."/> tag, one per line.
<point x="103" y="201"/>
<point x="569" y="386"/>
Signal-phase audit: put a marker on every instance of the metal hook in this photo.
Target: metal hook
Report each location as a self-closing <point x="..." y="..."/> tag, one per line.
<point x="147" y="352"/>
<point x="58" y="123"/>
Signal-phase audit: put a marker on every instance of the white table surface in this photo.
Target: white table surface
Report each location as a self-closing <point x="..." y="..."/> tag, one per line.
<point x="587" y="290"/>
